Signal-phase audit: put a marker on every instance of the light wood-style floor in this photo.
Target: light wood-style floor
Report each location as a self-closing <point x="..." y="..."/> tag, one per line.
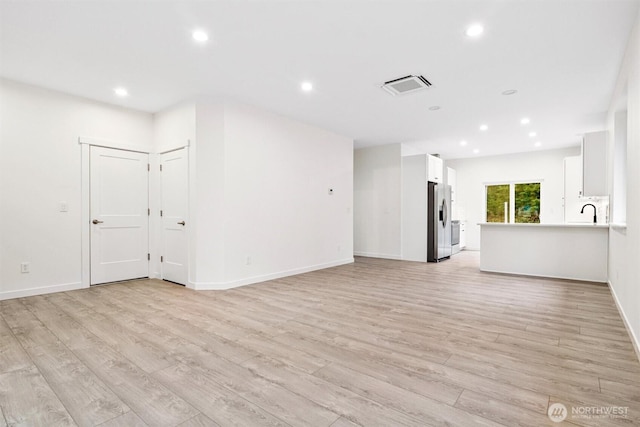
<point x="376" y="343"/>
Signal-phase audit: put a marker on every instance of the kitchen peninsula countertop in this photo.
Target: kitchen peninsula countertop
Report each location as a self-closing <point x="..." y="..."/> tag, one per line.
<point x="564" y="251"/>
<point x="565" y="225"/>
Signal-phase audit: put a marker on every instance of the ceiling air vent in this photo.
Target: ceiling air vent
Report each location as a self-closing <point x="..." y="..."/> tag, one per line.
<point x="407" y="84"/>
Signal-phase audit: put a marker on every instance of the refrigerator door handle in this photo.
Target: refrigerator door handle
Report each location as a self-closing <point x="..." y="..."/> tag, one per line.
<point x="444" y="210"/>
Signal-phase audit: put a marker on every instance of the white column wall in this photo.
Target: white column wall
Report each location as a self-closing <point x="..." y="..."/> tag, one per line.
<point x="624" y="242"/>
<point x="264" y="208"/>
<point x="378" y="201"/>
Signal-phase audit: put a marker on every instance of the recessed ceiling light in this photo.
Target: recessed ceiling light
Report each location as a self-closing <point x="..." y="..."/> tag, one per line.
<point x="306" y="86"/>
<point x="484" y="127"/>
<point x="525" y="121"/>
<point x="200" y="36"/>
<point x="121" y="92"/>
<point x="532" y="134"/>
<point x="510" y="92"/>
<point x="463" y="143"/>
<point x="476" y="151"/>
<point x="434" y="108"/>
<point x="538" y="144"/>
<point x="474" y="31"/>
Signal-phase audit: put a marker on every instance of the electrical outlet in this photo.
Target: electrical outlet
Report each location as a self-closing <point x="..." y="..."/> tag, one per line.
<point x="248" y="262"/>
<point x="64" y="207"/>
<point x="24" y="267"/>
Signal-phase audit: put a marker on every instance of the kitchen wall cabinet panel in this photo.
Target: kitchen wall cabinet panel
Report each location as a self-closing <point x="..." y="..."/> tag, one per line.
<point x="435" y="169"/>
<point x="594" y="164"/>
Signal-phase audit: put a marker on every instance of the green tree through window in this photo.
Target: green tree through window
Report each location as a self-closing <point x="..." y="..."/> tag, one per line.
<point x="524" y="208"/>
<point x="527" y="201"/>
<point x="497" y="195"/>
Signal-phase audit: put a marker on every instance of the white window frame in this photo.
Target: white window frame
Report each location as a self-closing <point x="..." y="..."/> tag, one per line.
<point x="512" y="196"/>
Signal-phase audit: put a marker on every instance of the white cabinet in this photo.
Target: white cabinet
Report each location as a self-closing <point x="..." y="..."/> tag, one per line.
<point x="435" y="169"/>
<point x="573" y="200"/>
<point x="452" y="180"/>
<point x="463" y="234"/>
<point x="594" y="164"/>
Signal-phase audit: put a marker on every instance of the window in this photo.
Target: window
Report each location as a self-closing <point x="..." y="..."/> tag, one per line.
<point x="514" y="203"/>
<point x="498" y="203"/>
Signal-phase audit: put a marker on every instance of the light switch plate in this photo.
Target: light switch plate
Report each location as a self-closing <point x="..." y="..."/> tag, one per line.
<point x="64" y="207"/>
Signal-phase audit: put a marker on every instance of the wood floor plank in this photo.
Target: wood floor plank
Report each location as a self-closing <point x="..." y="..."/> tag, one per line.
<point x="154" y="403"/>
<point x="277" y="400"/>
<point x="159" y="328"/>
<point x="624" y="389"/>
<point x="65" y="328"/>
<point x="27" y="399"/>
<point x="3" y="420"/>
<point x="343" y="422"/>
<point x="429" y="411"/>
<point x="12" y="355"/>
<point x="346" y="403"/>
<point x="377" y="342"/>
<point x="291" y="355"/>
<point x="504" y="374"/>
<point x="434" y="380"/>
<point x="130" y="419"/>
<point x="199" y="420"/>
<point x="214" y="400"/>
<point x="86" y="398"/>
<point x="135" y="347"/>
<point x="500" y="412"/>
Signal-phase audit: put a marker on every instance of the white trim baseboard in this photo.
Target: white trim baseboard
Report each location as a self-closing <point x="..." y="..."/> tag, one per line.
<point x="220" y="286"/>
<point x="377" y="255"/>
<point x="596" y="281"/>
<point x="632" y="335"/>
<point x="21" y="293"/>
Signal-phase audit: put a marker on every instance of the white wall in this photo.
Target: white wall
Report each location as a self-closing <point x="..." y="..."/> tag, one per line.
<point x="207" y="199"/>
<point x="474" y="173"/>
<point x="263" y="204"/>
<point x="39" y="167"/>
<point x="377" y="201"/>
<point x="624" y="242"/>
<point x="414" y="207"/>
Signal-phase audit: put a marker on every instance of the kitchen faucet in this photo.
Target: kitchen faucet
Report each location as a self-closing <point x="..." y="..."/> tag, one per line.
<point x="595" y="217"/>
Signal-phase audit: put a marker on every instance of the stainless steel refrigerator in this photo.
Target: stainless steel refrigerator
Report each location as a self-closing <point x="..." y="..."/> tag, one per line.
<point x="439" y="222"/>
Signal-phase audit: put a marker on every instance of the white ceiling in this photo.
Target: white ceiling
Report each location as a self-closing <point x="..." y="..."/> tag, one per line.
<point x="561" y="55"/>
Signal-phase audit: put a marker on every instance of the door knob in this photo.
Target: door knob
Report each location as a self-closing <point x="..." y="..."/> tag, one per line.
<point x="95" y="221"/>
<point x="182" y="223"/>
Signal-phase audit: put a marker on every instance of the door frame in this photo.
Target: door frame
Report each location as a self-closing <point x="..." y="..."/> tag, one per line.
<point x="85" y="196"/>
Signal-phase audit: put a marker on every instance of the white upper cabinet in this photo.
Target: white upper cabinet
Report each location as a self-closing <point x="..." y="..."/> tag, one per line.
<point x="573" y="200"/>
<point x="452" y="180"/>
<point x="435" y="169"/>
<point x="594" y="164"/>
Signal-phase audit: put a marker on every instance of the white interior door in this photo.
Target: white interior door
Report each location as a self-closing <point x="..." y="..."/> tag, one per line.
<point x="119" y="215"/>
<point x="174" y="187"/>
